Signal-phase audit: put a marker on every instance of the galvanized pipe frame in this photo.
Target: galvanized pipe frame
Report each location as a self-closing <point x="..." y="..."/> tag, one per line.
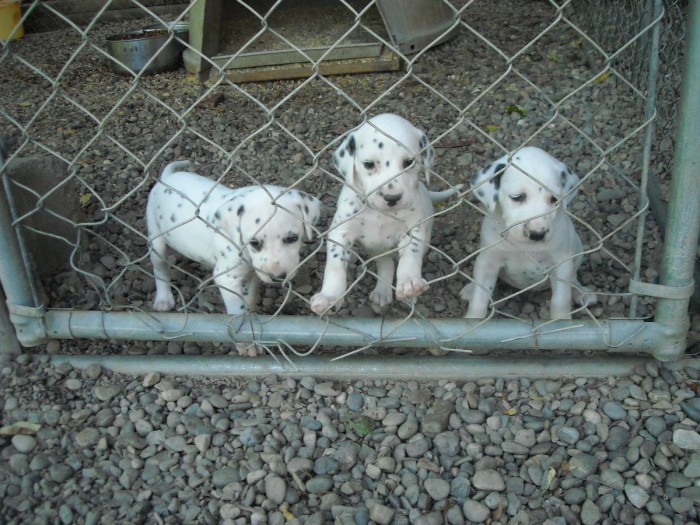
<point x="22" y="310"/>
<point x="617" y="335"/>
<point x="683" y="227"/>
<point x="366" y="368"/>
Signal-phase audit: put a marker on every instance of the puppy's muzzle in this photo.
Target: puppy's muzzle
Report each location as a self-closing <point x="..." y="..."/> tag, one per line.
<point x="392" y="200"/>
<point x="538" y="235"/>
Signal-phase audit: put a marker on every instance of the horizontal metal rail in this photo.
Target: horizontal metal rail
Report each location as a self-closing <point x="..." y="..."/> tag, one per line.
<point x="622" y="335"/>
<point x="397" y="368"/>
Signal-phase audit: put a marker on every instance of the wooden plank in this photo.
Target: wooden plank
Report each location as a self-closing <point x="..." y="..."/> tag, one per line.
<point x="293" y="71"/>
<point x="41" y="20"/>
<point x="292" y="56"/>
<point x="69" y="7"/>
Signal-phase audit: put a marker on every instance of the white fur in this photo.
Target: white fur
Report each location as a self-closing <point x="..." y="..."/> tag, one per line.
<point x="384" y="207"/>
<point x="527" y="237"/>
<point x="245" y="235"/>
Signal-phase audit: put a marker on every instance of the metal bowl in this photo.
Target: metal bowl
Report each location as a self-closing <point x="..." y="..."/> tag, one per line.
<point x="181" y="29"/>
<point x="133" y="51"/>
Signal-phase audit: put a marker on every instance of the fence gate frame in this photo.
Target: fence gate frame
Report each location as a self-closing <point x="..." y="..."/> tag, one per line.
<point x="617" y="343"/>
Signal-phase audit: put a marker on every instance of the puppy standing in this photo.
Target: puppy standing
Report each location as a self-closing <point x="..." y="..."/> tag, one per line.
<point x="527" y="238"/>
<point x="246" y="235"/>
<point x="384" y="207"/>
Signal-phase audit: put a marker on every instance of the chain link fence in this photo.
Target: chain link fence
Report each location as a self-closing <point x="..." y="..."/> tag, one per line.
<point x="593" y="83"/>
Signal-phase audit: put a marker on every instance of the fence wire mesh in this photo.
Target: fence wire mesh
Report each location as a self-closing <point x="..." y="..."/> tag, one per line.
<point x="568" y="77"/>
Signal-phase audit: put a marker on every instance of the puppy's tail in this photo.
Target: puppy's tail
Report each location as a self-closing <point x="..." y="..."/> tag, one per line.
<point x="174" y="167"/>
<point x="439" y="196"/>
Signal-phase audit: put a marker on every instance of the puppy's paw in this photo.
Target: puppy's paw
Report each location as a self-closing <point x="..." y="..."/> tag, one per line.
<point x="466" y="293"/>
<point x="323" y="304"/>
<point x="379" y="300"/>
<point x="411" y="288"/>
<point x="585" y="297"/>
<point x="249" y="349"/>
<point x="164" y="303"/>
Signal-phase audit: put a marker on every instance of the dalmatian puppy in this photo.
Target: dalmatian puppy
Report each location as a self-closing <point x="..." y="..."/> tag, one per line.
<point x="527" y="238"/>
<point x="384" y="208"/>
<point x="245" y="235"/>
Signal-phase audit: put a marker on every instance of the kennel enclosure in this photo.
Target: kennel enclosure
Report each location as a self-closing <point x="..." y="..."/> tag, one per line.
<point x="561" y="82"/>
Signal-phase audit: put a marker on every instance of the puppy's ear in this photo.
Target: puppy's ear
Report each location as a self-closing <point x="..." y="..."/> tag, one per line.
<point x="569" y="184"/>
<point x="427" y="156"/>
<point x="487" y="182"/>
<point x="344" y="158"/>
<point x="310" y="208"/>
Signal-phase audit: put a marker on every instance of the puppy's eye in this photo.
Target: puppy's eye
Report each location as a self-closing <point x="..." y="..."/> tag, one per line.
<point x="553" y="199"/>
<point x="407" y="163"/>
<point x="520" y="197"/>
<point x="368" y="164"/>
<point x="291" y="238"/>
<point x="256" y="245"/>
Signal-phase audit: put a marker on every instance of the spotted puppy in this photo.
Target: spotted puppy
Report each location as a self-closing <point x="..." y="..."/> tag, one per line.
<point x="527" y="237"/>
<point x="246" y="235"/>
<point x="384" y="207"/>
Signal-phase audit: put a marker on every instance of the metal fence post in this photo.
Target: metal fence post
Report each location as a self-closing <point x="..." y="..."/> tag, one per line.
<point x="684" y="210"/>
<point x="26" y="316"/>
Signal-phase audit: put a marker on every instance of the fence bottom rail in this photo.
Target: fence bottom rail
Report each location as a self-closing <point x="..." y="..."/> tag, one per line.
<point x="619" y="336"/>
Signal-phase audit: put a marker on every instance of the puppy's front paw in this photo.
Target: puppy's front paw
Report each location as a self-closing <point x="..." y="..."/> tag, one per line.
<point x="380" y="298"/>
<point x="164" y="303"/>
<point x="411" y="288"/>
<point x="466" y="293"/>
<point x="323" y="304"/>
<point x="249" y="349"/>
<point x="585" y="297"/>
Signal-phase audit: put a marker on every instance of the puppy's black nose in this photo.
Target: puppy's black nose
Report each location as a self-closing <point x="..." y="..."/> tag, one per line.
<point x="392" y="199"/>
<point x="537" y="236"/>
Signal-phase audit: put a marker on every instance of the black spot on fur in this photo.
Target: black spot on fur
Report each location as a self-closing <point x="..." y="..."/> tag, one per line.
<point x="351" y="145"/>
<point x="387" y="163"/>
<point x="497" y="179"/>
<point x="306" y="209"/>
<point x="495" y="197"/>
<point x="240" y="211"/>
<point x="480" y="193"/>
<point x="217" y="215"/>
<point x="172" y="218"/>
<point x="380" y="145"/>
<point x="564" y="176"/>
<point x="257" y="221"/>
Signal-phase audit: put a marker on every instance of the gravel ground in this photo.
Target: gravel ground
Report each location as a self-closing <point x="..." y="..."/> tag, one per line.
<point x="106" y="448"/>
